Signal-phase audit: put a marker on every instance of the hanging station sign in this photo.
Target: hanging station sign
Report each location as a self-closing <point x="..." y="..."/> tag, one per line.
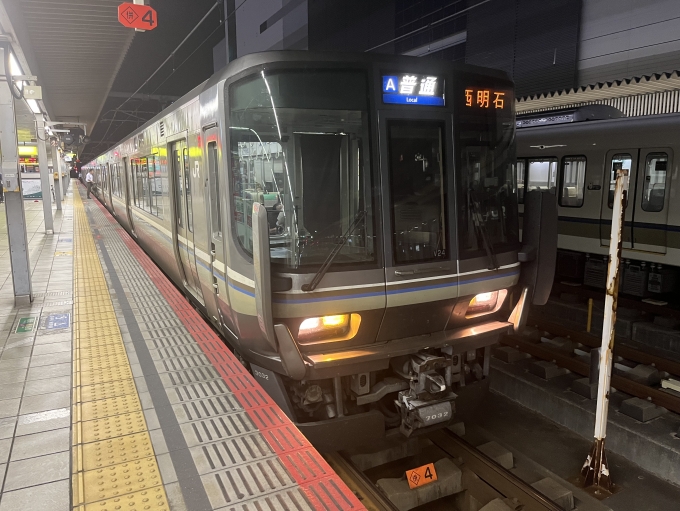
<point x="141" y="17"/>
<point x="413" y="89"/>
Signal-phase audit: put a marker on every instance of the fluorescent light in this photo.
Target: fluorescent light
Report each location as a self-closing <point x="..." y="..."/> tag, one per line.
<point x="35" y="108"/>
<point x="14" y="67"/>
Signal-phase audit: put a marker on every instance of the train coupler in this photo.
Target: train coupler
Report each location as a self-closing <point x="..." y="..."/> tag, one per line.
<point x="429" y="399"/>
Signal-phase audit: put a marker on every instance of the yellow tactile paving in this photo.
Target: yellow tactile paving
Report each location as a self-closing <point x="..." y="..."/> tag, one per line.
<point x="117" y="450"/>
<point x="114" y="465"/>
<point x="153" y="499"/>
<point x="106" y="390"/>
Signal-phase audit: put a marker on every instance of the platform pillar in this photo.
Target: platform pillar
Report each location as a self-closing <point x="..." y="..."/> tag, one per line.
<point x="595" y="471"/>
<point x="14" y="200"/>
<point x="56" y="169"/>
<point x="44" y="174"/>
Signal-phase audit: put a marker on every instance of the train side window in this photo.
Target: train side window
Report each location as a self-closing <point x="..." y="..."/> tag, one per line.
<point x="619" y="161"/>
<point x="521" y="168"/>
<point x="176" y="160"/>
<point x="151" y="174"/>
<point x="135" y="183"/>
<point x="654" y="188"/>
<point x="144" y="191"/>
<point x="187" y="191"/>
<point x="542" y="174"/>
<point x="572" y="181"/>
<point x="214" y="185"/>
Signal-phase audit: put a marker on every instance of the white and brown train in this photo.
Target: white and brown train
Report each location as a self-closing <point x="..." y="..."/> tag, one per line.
<point x="577" y="161"/>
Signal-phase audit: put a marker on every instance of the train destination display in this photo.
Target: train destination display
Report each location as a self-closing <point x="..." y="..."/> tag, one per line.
<point x="413" y="89"/>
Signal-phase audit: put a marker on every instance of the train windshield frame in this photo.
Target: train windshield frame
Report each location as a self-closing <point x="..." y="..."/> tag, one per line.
<point x="300" y="144"/>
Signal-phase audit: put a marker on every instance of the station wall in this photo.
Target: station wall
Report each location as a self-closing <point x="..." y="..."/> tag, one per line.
<point x="626" y="38"/>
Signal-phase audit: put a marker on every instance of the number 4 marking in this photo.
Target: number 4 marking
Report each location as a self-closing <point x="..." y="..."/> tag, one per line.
<point x="148" y="18"/>
<point x="428" y="473"/>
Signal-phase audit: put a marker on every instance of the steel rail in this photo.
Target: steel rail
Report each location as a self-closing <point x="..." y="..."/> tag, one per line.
<point x="367" y="492"/>
<point x="627" y="352"/>
<point x="506" y="483"/>
<point x="631" y="387"/>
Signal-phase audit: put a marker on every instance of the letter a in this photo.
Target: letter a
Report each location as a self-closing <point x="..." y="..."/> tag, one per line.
<point x="390" y="85"/>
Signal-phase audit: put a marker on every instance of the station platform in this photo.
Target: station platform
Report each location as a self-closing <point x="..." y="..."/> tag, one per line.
<point x="115" y="394"/>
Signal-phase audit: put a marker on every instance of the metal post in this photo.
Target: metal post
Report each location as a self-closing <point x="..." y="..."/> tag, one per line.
<point x="595" y="470"/>
<point x="590" y="315"/>
<point x="44" y="174"/>
<point x="14" y="200"/>
<point x="56" y="168"/>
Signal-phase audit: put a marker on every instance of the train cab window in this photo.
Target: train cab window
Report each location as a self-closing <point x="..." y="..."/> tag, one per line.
<point x="299" y="146"/>
<point x="418" y="191"/>
<point x="215" y="214"/>
<point x="542" y="174"/>
<point x="572" y="181"/>
<point x="654" y="188"/>
<point x="487" y="176"/>
<point x="521" y="169"/>
<point x="187" y="191"/>
<point x="619" y="161"/>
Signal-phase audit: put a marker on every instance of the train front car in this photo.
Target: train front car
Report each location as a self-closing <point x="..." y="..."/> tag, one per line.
<point x="377" y="202"/>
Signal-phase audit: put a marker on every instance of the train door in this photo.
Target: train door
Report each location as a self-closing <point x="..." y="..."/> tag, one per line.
<point x="213" y="194"/>
<point x="618" y="159"/>
<point x="109" y="185"/>
<point x="129" y="188"/>
<point x="416" y="155"/>
<point x="183" y="212"/>
<point x="652" y="194"/>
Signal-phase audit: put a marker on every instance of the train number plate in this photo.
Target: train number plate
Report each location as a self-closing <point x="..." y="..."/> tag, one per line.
<point x="421" y="476"/>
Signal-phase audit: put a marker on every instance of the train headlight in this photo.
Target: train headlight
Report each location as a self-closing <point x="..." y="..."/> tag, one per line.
<point x="339" y="327"/>
<point x="486" y="303"/>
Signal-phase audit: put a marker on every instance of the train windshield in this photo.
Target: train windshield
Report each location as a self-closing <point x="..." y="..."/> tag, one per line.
<point x="299" y="145"/>
<point x="487" y="180"/>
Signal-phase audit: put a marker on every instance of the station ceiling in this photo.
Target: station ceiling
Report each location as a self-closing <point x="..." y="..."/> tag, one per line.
<point x="75" y="48"/>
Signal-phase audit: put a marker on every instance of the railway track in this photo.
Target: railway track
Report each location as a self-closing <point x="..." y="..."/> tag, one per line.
<point x="490" y="480"/>
<point x="548" y="352"/>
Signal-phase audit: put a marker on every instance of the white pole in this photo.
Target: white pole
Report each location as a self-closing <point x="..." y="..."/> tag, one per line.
<point x="595" y="471"/>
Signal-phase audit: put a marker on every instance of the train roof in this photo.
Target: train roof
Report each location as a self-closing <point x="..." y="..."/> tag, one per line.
<point x="253" y="60"/>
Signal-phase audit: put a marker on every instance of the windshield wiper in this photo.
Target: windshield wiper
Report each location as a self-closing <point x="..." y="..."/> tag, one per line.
<point x="336" y="250"/>
<point x="480" y="226"/>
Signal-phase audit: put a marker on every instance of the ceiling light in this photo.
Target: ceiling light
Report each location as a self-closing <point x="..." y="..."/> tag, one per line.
<point x="35" y="108"/>
<point x="14" y="67"/>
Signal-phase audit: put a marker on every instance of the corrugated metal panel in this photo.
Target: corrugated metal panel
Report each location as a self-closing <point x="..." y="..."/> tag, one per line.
<point x="664" y="102"/>
<point x="78" y="46"/>
<point x="644" y="95"/>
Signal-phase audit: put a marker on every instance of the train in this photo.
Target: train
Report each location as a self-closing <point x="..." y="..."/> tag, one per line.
<point x="574" y="153"/>
<point x="348" y="223"/>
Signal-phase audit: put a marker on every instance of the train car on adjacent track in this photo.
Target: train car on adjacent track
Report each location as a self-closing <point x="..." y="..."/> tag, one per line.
<point x="578" y="162"/>
<point x="349" y="223"/>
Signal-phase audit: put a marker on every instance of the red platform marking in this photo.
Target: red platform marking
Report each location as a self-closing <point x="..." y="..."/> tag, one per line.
<point x="323" y="488"/>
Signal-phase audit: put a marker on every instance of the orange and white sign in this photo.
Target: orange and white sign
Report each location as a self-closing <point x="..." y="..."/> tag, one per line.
<point x="138" y="16"/>
<point x="421" y="476"/>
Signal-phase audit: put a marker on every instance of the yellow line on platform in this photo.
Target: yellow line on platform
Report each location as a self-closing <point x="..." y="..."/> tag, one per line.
<point x="114" y="466"/>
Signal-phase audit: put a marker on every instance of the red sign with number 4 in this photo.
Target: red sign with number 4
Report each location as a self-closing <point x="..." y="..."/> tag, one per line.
<point x="137" y="16"/>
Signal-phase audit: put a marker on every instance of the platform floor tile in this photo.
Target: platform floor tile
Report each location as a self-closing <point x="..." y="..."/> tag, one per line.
<point x="35" y="350"/>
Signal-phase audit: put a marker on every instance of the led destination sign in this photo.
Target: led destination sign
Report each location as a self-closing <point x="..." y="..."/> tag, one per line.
<point x="485" y="98"/>
<point x="410" y="89"/>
